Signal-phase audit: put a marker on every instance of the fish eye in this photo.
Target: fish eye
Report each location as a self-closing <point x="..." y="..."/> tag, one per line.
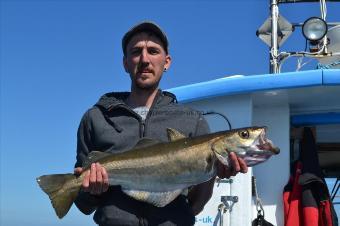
<point x="244" y="134"/>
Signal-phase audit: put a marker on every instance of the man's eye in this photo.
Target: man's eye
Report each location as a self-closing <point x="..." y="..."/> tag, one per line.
<point x="135" y="52"/>
<point x="153" y="51"/>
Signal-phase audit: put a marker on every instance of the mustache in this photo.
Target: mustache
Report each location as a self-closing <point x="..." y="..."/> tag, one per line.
<point x="142" y="68"/>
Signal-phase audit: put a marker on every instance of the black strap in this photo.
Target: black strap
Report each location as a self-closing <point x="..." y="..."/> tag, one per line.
<point x="260" y="221"/>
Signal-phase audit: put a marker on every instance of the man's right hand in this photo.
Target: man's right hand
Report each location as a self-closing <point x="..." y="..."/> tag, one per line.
<point x="96" y="180"/>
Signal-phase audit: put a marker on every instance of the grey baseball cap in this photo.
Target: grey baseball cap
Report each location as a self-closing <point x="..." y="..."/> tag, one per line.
<point x="145" y="26"/>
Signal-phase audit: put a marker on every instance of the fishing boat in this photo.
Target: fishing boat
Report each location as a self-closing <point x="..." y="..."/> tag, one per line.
<point x="285" y="102"/>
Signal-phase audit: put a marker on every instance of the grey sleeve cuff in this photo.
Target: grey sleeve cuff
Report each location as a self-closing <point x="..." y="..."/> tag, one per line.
<point x="87" y="203"/>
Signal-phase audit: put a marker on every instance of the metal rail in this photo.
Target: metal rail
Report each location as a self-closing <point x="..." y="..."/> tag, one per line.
<point x="274" y="62"/>
<point x="301" y="1"/>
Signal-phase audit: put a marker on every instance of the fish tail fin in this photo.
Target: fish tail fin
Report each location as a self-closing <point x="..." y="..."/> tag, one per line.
<point x="61" y="197"/>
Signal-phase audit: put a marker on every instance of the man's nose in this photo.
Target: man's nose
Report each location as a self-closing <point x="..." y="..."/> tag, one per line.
<point x="144" y="57"/>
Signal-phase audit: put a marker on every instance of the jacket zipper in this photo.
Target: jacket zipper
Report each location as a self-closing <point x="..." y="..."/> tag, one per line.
<point x="141" y="128"/>
<point x="139" y="118"/>
<point x="145" y="122"/>
<point x="142" y="123"/>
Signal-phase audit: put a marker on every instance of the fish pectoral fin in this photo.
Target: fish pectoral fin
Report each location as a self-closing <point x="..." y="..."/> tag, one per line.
<point x="159" y="199"/>
<point x="174" y="134"/>
<point x="223" y="159"/>
<point x="220" y="152"/>
<point x="146" y="142"/>
<point x="94" y="156"/>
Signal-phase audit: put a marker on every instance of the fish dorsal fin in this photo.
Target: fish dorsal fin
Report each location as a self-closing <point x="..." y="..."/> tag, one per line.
<point x="145" y="142"/>
<point x="159" y="199"/>
<point x="174" y="134"/>
<point x="94" y="156"/>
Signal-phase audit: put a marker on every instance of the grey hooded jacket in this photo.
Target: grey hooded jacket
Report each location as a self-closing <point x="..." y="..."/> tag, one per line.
<point x="112" y="126"/>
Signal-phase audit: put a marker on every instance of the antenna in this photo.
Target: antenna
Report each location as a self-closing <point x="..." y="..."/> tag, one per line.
<point x="323" y="37"/>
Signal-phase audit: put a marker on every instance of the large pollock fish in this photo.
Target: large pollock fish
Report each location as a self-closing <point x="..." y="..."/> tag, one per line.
<point x="156" y="172"/>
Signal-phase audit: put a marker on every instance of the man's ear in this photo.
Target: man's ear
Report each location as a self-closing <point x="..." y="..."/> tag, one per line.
<point x="125" y="64"/>
<point x="167" y="62"/>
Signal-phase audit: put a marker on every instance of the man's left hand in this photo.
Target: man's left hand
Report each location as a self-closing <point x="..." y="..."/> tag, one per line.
<point x="237" y="165"/>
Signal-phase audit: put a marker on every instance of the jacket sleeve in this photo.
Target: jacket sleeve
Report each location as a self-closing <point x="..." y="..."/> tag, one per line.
<point x="84" y="145"/>
<point x="85" y="202"/>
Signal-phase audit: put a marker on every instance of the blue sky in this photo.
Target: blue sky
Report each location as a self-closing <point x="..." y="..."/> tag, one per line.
<point x="59" y="57"/>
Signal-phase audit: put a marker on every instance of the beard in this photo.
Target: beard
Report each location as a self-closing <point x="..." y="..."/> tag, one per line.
<point x="140" y="84"/>
<point x="146" y="86"/>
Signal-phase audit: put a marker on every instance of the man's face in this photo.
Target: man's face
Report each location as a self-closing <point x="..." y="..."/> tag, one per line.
<point x="145" y="61"/>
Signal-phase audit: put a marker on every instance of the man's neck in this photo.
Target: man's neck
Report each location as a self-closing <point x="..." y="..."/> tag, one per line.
<point x="140" y="97"/>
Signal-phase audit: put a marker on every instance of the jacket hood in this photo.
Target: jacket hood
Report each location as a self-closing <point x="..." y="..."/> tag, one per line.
<point x="111" y="100"/>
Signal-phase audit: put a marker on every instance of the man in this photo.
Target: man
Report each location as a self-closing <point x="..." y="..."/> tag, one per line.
<point x="119" y="120"/>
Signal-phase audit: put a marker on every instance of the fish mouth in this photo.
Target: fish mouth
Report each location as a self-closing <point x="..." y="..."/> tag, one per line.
<point x="266" y="145"/>
<point x="252" y="160"/>
<point x="262" y="149"/>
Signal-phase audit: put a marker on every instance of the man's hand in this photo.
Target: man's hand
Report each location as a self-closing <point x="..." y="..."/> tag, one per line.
<point x="96" y="180"/>
<point x="236" y="165"/>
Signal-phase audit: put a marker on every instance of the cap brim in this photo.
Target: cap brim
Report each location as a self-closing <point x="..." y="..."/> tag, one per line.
<point x="146" y="26"/>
